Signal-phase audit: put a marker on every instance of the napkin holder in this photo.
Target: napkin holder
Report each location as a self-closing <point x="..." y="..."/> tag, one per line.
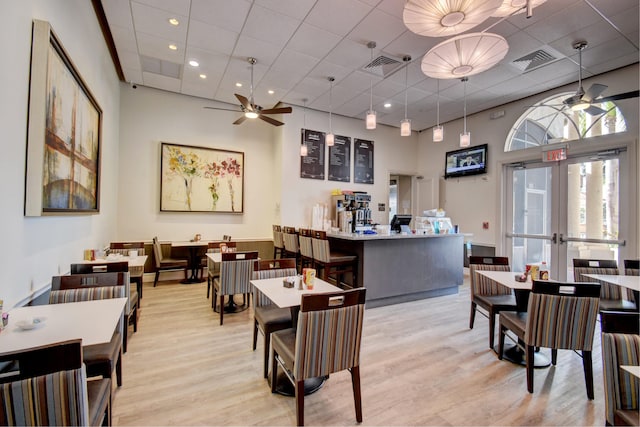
<point x="288" y="282"/>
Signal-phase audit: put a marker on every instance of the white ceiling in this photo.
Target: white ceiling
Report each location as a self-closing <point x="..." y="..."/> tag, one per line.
<point x="298" y="44"/>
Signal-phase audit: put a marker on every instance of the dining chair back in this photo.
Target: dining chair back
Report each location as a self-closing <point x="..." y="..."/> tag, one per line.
<point x="612" y="297"/>
<point x="632" y="267"/>
<point x="101" y="359"/>
<point x="268" y="317"/>
<point x="278" y="242"/>
<point x="620" y="342"/>
<point x="332" y="263"/>
<point x="560" y="316"/>
<point x="327" y="340"/>
<point x="291" y="243"/>
<point x="492" y="297"/>
<point x="164" y="263"/>
<point x="306" y="248"/>
<point x="236" y="271"/>
<point x="52" y="389"/>
<point x="213" y="268"/>
<point x="136" y="273"/>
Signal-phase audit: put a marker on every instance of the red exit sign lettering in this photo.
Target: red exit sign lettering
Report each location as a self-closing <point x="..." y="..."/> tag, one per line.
<point x="554" y="155"/>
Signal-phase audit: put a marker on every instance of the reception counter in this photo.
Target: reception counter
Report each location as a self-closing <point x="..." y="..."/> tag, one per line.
<point x="397" y="268"/>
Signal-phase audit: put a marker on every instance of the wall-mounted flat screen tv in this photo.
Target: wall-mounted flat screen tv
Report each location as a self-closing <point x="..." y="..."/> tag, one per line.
<point x="466" y="161"/>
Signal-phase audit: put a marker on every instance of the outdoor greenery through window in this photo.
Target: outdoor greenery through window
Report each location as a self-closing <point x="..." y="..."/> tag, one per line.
<point x="550" y="121"/>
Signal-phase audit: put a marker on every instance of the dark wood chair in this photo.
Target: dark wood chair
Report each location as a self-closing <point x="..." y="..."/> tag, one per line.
<point x="492" y="297"/>
<point x="166" y="263"/>
<point x="620" y="346"/>
<point x="560" y="316"/>
<point x="236" y="271"/>
<point x="278" y="242"/>
<point x="332" y="263"/>
<point x="100" y="359"/>
<point x="612" y="297"/>
<point x="137" y="273"/>
<point x="131" y="310"/>
<point x="312" y="350"/>
<point x="268" y="317"/>
<point x="51" y="388"/>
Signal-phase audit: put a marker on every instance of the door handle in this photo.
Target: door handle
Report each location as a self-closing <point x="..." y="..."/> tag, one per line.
<point x="562" y="239"/>
<point x="554" y="238"/>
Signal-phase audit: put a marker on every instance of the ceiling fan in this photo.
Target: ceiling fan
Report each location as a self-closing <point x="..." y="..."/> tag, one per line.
<point x="584" y="100"/>
<point x="253" y="111"/>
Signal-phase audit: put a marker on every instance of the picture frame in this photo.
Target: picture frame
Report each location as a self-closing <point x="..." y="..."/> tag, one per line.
<point x="201" y="179"/>
<point x="63" y="134"/>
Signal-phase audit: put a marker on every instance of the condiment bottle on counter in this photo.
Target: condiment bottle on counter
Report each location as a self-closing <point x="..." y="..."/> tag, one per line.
<point x="544" y="272"/>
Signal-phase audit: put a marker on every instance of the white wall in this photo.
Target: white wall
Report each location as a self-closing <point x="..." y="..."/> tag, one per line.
<point x="34" y="249"/>
<point x="471" y="200"/>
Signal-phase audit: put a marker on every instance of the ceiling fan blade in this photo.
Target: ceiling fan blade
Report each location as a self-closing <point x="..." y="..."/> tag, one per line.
<point x="270" y="120"/>
<point x="571" y="100"/>
<point x="283" y="110"/>
<point x="240" y="120"/>
<point x="244" y="101"/>
<point x="593" y="92"/>
<point x="626" y="95"/>
<point x="594" y="111"/>
<point x="223" y="109"/>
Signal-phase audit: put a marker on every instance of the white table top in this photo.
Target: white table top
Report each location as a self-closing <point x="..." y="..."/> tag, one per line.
<point x="507" y="278"/>
<point x="138" y="261"/>
<point x="290" y="297"/>
<point x="92" y="321"/>
<point x="630" y="282"/>
<point x="187" y="244"/>
<point x="633" y="370"/>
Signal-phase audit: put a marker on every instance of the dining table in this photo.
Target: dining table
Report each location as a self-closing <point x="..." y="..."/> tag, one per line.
<point x="632" y="369"/>
<point x="231" y="306"/>
<point x="136" y="266"/>
<point x="196" y="251"/>
<point x="32" y="326"/>
<point x="521" y="291"/>
<point x="624" y="281"/>
<point x="285" y="297"/>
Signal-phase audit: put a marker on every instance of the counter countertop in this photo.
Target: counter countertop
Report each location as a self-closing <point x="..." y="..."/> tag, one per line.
<point x="355" y="236"/>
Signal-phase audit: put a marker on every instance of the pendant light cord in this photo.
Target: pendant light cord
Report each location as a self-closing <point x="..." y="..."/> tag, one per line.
<point x="464" y="79"/>
<point x="331" y="79"/>
<point x="438" y="102"/>
<point x="406" y="87"/>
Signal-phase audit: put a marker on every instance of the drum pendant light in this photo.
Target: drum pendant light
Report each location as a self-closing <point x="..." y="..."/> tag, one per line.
<point x="438" y="131"/>
<point x="329" y="139"/>
<point x="465" y="137"/>
<point x="371" y="115"/>
<point x="405" y="125"/>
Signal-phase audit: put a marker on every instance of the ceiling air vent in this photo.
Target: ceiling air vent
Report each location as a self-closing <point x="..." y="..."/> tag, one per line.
<point x="535" y="60"/>
<point x="383" y="66"/>
<point x="159" y="66"/>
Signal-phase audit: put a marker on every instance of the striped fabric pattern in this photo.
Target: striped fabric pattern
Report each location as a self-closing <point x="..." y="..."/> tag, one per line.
<point x="57" y="399"/>
<point x="87" y="294"/>
<point x="321" y="250"/>
<point x="607" y="290"/>
<point x="291" y="242"/>
<point x="259" y="299"/>
<point x="306" y="247"/>
<point x="328" y="341"/>
<point x="278" y="239"/>
<point x="133" y="271"/>
<point x="481" y="285"/>
<point x="632" y="272"/>
<point x="235" y="277"/>
<point x="621" y="389"/>
<point x="561" y="322"/>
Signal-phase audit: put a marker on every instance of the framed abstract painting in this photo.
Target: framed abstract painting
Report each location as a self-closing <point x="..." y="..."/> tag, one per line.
<point x="200" y="179"/>
<point x="64" y="133"/>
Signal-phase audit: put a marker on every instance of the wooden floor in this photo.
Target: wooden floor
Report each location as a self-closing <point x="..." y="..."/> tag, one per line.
<point x="420" y="365"/>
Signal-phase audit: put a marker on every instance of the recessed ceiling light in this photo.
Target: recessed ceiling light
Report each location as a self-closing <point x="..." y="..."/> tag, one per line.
<point x="270" y="92"/>
<point x="387" y="105"/>
<point x="238" y="84"/>
<point x="193" y="63"/>
<point x="174" y="21"/>
<point x="203" y="76"/>
<point x="173" y="47"/>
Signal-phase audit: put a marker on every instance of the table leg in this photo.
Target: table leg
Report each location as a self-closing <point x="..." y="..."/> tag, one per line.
<point x="285" y="388"/>
<point x="194" y="265"/>
<point x="514" y="354"/>
<point x="232" y="307"/>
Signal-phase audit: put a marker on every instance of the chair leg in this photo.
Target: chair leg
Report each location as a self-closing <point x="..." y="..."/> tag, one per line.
<point x="119" y="370"/>
<point x="255" y="334"/>
<point x="155" y="281"/>
<point x="529" y="357"/>
<point x="135" y="319"/>
<point x="300" y="402"/>
<point x="274" y="371"/>
<point x="502" y="331"/>
<point x="554" y="356"/>
<point x="267" y="346"/>
<point x="492" y="328"/>
<point x="587" y="364"/>
<point x="125" y="336"/>
<point x="208" y="285"/>
<point x="472" y="315"/>
<point x="222" y="308"/>
<point x="357" y="396"/>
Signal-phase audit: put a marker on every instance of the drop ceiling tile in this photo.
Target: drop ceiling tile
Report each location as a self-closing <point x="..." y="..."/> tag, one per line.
<point x="180" y="7"/>
<point x="351" y="54"/>
<point x="388" y="89"/>
<point x="263" y="51"/>
<point x="610" y="8"/>
<point x="520" y="44"/>
<point x="156" y="47"/>
<point x="392" y="7"/>
<point x="313" y="41"/>
<point x="337" y="16"/>
<point x="409" y="43"/>
<point x="211" y="38"/>
<point x="161" y="82"/>
<point x="563" y="23"/>
<point x="211" y="63"/>
<point x="124" y="38"/>
<point x="155" y="22"/>
<point x="130" y="60"/>
<point x="230" y="15"/>
<point x="551" y="71"/>
<point x="378" y="26"/>
<point x="542" y="13"/>
<point x="297" y="9"/>
<point x="269" y="26"/>
<point x="325" y="69"/>
<point x="118" y="13"/>
<point x="295" y="64"/>
<point x="133" y="75"/>
<point x="627" y="21"/>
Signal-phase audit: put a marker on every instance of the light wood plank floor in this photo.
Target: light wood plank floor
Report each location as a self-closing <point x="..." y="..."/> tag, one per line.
<point x="420" y="365"/>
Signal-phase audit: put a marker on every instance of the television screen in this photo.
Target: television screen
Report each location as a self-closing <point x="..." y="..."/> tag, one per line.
<point x="467" y="161"/>
<point x="398" y="221"/>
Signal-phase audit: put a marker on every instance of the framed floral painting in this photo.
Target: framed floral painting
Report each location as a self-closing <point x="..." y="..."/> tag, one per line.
<point x="199" y="179"/>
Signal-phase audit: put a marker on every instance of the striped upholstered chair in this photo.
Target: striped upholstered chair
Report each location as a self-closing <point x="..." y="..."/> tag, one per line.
<point x="327" y="340"/>
<point x="278" y="242"/>
<point x="560" y="316"/>
<point x="236" y="271"/>
<point x="52" y="389"/>
<point x="100" y="359"/>
<point x="291" y="243"/>
<point x="306" y="248"/>
<point x="492" y="297"/>
<point x="136" y="273"/>
<point x="620" y="346"/>
<point x="632" y="267"/>
<point x="612" y="297"/>
<point x="269" y="318"/>
<point x="332" y="263"/>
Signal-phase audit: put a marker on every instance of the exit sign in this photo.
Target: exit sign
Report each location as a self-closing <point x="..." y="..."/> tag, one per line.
<point x="554" y="154"/>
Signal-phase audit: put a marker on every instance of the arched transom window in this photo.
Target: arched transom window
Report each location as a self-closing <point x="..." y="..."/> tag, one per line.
<point x="551" y="121"/>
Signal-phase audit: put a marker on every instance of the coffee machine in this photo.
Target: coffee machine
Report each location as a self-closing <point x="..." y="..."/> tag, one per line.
<point x="351" y="212"/>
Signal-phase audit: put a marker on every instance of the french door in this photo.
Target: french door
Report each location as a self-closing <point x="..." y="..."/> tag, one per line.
<point x="564" y="210"/>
